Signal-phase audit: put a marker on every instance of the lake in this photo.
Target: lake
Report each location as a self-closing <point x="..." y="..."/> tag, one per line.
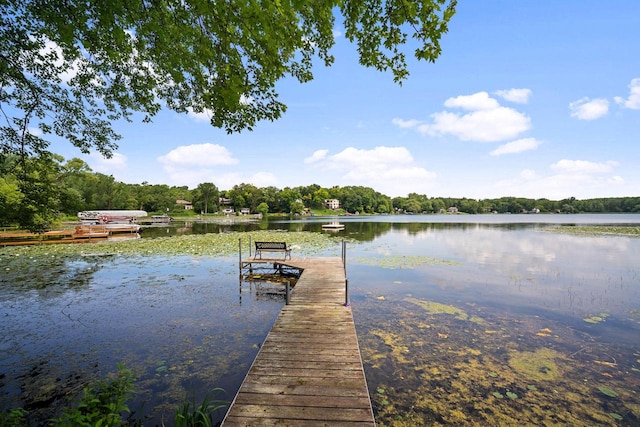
<point x="462" y="320"/>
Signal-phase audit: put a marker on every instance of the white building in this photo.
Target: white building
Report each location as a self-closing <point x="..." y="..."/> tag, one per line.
<point x="332" y="204"/>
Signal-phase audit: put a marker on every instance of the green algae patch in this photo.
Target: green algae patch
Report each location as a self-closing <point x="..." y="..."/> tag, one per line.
<point x="596" y="318"/>
<point x="404" y="261"/>
<point x="537" y="365"/>
<point x="433" y="307"/>
<point x="393" y="342"/>
<point x="596" y="230"/>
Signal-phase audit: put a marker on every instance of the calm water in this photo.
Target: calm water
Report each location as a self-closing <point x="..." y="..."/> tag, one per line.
<point x="462" y="320"/>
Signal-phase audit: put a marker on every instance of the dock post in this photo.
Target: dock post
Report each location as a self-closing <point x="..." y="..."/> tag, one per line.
<point x="287" y="290"/>
<point x="240" y="256"/>
<point x="346" y="293"/>
<point x="346" y="281"/>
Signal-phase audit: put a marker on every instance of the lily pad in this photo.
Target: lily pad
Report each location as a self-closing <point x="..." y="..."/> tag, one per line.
<point x="615" y="416"/>
<point x="512" y="395"/>
<point x="498" y="395"/>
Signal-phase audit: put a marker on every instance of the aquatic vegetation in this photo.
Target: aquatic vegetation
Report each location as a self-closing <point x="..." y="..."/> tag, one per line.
<point x="475" y="378"/>
<point x="596" y="318"/>
<point x="404" y="261"/>
<point x="212" y="244"/>
<point x="616" y="416"/>
<point x="437" y="308"/>
<point x="537" y="365"/>
<point x="103" y="402"/>
<point x="596" y="230"/>
<point x="393" y="342"/>
<point x="191" y="414"/>
<point x="608" y="392"/>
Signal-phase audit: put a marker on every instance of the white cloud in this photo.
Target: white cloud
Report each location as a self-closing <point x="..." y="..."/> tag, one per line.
<point x="633" y="101"/>
<point x="583" y="166"/>
<point x="485" y="121"/>
<point x="475" y="102"/>
<point x="487" y="125"/>
<point x="203" y="116"/>
<point x="589" y="109"/>
<point x="117" y="162"/>
<point x="198" y="155"/>
<point x="390" y="170"/>
<point x="51" y="52"/>
<point x="406" y="124"/>
<point x="578" y="178"/>
<point x="194" y="164"/>
<point x="617" y="179"/>
<point x="35" y="131"/>
<point x="519" y="96"/>
<point x="316" y="156"/>
<point x="517" y="146"/>
<point x="528" y="174"/>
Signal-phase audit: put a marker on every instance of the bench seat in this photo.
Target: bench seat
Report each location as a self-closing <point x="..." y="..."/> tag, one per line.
<point x="272" y="247"/>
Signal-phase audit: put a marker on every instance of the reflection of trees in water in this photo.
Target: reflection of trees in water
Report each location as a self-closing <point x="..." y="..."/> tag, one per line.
<point x="51" y="272"/>
<point x="363" y="230"/>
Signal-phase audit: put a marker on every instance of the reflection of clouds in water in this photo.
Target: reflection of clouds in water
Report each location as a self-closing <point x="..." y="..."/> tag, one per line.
<point x="526" y="266"/>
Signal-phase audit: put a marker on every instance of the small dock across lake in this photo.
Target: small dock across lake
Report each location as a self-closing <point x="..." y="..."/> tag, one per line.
<point x="308" y="371"/>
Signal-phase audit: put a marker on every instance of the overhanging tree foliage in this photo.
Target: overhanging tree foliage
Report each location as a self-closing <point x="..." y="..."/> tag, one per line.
<point x="70" y="68"/>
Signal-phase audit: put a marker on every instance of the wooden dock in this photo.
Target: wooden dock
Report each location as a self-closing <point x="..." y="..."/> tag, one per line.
<point x="308" y="371"/>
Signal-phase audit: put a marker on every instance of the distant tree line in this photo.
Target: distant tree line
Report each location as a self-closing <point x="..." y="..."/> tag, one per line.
<point x="67" y="187"/>
<point x="419" y="203"/>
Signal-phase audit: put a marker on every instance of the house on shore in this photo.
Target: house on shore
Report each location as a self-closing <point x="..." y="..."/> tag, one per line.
<point x="185" y="204"/>
<point x="332" y="204"/>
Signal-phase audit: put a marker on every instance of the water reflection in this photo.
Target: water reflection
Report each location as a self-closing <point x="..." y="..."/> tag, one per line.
<point x="533" y="303"/>
<point x="182" y="324"/>
<point x="443" y="341"/>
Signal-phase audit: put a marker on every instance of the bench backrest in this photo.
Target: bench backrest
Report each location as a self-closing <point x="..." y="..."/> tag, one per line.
<point x="271" y="245"/>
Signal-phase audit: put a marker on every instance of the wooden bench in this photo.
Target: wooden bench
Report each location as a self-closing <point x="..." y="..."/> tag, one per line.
<point x="272" y="247"/>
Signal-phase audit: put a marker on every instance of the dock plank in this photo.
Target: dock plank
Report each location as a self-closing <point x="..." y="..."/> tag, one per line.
<point x="309" y="369"/>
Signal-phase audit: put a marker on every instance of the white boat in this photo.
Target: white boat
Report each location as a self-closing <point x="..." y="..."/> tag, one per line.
<point x="110" y="216"/>
<point x="334" y="226"/>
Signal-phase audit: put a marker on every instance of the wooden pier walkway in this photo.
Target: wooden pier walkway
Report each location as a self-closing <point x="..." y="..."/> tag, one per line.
<point x="308" y="371"/>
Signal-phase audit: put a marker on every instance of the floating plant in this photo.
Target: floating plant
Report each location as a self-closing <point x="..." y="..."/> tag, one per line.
<point x="596" y="318"/>
<point x="498" y="395"/>
<point x="438" y="308"/>
<point x="512" y="395"/>
<point x="615" y="416"/>
<point x="404" y="261"/>
<point x="608" y="392"/>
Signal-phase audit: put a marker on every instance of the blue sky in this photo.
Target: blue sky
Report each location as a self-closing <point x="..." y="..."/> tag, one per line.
<point x="529" y="99"/>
